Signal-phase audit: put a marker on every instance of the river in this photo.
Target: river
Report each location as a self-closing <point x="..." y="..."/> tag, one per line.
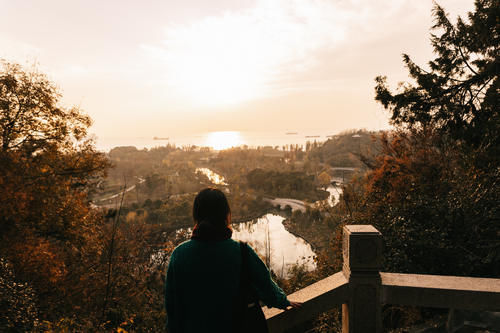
<point x="334" y="196"/>
<point x="275" y="245"/>
<point x="212" y="176"/>
<point x="268" y="236"/>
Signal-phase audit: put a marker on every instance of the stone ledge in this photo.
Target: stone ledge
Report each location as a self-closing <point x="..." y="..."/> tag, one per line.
<point x="441" y="291"/>
<point x="317" y="298"/>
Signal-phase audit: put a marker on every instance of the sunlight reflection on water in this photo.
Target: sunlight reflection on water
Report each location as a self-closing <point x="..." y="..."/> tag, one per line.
<point x="223" y="140"/>
<point x="212" y="176"/>
<point x="286" y="249"/>
<point x="216" y="140"/>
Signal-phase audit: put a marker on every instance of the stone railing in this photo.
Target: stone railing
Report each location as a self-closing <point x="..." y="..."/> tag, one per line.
<point x="361" y="289"/>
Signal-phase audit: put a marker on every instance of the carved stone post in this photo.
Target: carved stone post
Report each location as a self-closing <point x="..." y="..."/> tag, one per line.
<point x="362" y="250"/>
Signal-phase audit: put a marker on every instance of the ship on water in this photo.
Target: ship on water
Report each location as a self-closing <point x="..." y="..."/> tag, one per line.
<point x="158" y="138"/>
<point x="291" y="133"/>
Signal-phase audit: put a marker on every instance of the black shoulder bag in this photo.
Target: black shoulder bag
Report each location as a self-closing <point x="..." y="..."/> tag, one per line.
<point x="249" y="316"/>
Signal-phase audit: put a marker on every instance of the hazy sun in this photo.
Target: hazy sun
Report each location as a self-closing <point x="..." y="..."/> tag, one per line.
<point x="217" y="63"/>
<point x="223" y="140"/>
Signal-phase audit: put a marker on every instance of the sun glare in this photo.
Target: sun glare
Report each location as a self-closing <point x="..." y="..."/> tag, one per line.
<point x="223" y="140"/>
<point x="213" y="67"/>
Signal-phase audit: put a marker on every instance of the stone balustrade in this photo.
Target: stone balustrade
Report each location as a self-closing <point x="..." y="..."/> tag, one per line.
<point x="361" y="289"/>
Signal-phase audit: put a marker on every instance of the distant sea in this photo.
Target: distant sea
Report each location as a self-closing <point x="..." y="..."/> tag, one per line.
<point x="218" y="140"/>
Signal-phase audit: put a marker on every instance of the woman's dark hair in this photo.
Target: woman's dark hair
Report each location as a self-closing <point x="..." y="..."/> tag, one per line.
<point x="210" y="205"/>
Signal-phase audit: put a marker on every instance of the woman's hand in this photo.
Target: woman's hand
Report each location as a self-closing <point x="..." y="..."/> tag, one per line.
<point x="294" y="305"/>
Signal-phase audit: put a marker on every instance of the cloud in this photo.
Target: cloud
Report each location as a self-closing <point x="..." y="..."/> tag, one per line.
<point x="240" y="55"/>
<point x="275" y="46"/>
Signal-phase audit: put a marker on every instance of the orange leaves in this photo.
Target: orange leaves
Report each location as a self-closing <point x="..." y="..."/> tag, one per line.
<point x="47" y="227"/>
<point x="406" y="161"/>
<point x="436" y="209"/>
<point x="37" y="258"/>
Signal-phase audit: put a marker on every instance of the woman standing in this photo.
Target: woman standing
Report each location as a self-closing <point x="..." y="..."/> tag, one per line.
<point x="204" y="273"/>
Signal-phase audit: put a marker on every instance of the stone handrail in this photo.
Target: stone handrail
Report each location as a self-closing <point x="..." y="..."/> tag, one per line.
<point x="439" y="291"/>
<point x="316" y="298"/>
<point x="361" y="289"/>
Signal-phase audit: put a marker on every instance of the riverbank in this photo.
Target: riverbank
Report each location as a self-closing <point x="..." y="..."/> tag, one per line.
<point x="317" y="234"/>
<point x="253" y="216"/>
<point x="287" y="224"/>
<point x="313" y="238"/>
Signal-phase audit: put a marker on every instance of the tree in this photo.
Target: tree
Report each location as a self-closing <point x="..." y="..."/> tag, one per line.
<point x="434" y="190"/>
<point x="31" y="118"/>
<point x="46" y="158"/>
<point x="47" y="167"/>
<point x="458" y="95"/>
<point x="324" y="179"/>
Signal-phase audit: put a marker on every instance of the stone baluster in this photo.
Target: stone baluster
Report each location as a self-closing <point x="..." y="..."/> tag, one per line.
<point x="362" y="251"/>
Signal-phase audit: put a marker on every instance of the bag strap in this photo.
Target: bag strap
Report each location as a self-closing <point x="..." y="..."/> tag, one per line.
<point x="244" y="266"/>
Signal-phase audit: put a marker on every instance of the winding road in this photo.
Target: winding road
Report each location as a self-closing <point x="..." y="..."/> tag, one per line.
<point x="141" y="180"/>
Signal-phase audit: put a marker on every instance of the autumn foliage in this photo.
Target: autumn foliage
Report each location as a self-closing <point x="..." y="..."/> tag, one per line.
<point x="434" y="190"/>
<point x="46" y="169"/>
<point x="64" y="265"/>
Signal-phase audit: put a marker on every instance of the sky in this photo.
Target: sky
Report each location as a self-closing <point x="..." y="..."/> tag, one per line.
<point x="160" y="68"/>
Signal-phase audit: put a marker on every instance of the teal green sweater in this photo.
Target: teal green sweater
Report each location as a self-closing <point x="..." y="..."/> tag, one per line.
<point x="202" y="284"/>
